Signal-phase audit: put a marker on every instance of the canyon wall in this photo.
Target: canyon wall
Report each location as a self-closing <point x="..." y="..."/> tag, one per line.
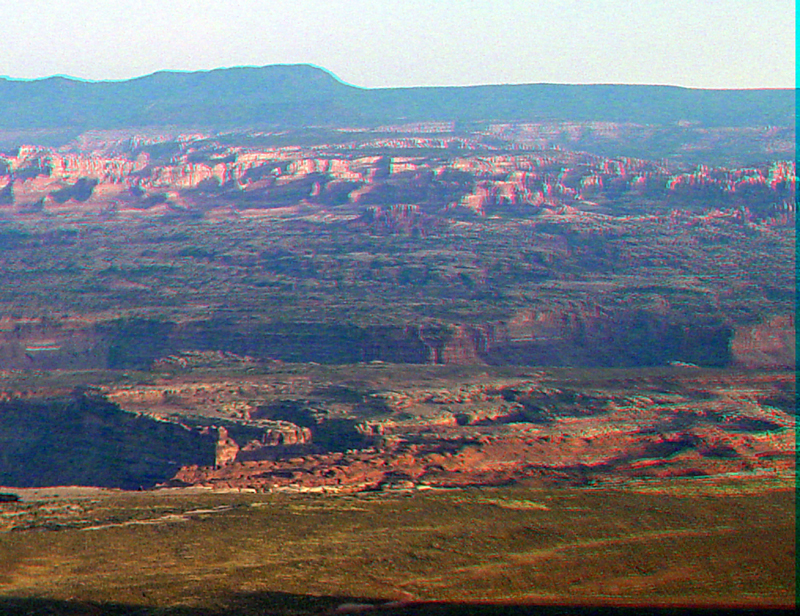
<point x="545" y="338"/>
<point x="83" y="440"/>
<point x="769" y="344"/>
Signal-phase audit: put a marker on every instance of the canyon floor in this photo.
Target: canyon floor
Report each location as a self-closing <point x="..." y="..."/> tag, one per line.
<point x="406" y="489"/>
<point x="659" y="546"/>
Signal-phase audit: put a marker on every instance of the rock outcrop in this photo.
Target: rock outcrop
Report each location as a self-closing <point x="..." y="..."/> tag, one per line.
<point x="770" y="344"/>
<point x="505" y="430"/>
<point x="226" y="450"/>
<point x="481" y="185"/>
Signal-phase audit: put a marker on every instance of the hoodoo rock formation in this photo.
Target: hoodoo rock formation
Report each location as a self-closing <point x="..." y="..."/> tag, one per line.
<point x="226" y="450"/>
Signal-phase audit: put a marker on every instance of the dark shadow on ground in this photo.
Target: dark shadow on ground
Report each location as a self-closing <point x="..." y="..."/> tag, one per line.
<point x="285" y="604"/>
<point x="87" y="441"/>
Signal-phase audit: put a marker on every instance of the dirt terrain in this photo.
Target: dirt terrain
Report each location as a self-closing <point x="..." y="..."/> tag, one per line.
<point x="651" y="544"/>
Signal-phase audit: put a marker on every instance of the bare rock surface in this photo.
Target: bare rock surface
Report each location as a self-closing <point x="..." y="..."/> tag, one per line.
<point x="491" y="431"/>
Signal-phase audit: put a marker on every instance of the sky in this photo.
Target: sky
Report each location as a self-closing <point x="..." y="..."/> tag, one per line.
<point x="395" y="43"/>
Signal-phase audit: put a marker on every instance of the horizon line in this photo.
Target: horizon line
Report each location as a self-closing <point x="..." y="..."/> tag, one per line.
<point x="338" y="79"/>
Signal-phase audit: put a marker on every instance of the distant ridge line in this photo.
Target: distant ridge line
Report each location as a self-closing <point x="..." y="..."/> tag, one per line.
<point x="297" y="95"/>
<point x="338" y="79"/>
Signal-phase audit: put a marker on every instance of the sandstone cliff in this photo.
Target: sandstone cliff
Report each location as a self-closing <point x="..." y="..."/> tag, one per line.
<point x="770" y="344"/>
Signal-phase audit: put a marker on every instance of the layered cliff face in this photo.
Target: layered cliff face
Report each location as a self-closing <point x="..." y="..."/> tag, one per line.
<point x="771" y="344"/>
<point x="576" y="337"/>
<point x="409" y="249"/>
<point x="590" y="337"/>
<point x="48" y="344"/>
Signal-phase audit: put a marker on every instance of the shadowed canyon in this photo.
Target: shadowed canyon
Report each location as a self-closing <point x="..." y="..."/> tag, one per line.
<point x="472" y="339"/>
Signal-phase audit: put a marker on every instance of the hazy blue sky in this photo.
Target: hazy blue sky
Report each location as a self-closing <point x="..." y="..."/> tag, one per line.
<point x="375" y="43"/>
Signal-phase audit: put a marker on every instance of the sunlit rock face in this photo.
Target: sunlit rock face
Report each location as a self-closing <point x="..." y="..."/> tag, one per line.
<point x="685" y="422"/>
<point x="478" y="185"/>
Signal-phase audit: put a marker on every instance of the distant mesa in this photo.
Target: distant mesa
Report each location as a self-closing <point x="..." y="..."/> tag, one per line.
<point x="303" y="95"/>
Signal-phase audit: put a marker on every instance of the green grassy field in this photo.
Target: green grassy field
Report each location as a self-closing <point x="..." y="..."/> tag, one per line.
<point x="684" y="542"/>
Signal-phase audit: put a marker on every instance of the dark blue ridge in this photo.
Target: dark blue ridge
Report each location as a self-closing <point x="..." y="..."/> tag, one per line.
<point x="304" y="95"/>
